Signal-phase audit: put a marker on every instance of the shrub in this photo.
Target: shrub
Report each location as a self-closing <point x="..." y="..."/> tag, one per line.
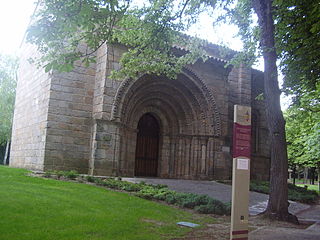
<point x="147" y="192"/>
<point x="99" y="181"/>
<point x="111" y="183"/>
<point x="187" y="200"/>
<point x="121" y="185"/>
<point x="228" y="206"/>
<point x="303" y="190"/>
<point x="71" y="174"/>
<point x="302" y="197"/>
<point x="131" y="187"/>
<point x="47" y="174"/>
<point x="191" y="200"/>
<point x="90" y="179"/>
<point x="163" y="193"/>
<point x="59" y="174"/>
<point x="260" y="186"/>
<point x="160" y="186"/>
<point x="171" y="198"/>
<point x="205" y="209"/>
<point x="214" y="206"/>
<point x="295" y="193"/>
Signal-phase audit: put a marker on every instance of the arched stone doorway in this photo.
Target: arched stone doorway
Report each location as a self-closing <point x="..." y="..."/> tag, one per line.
<point x="147" y="146"/>
<point x="183" y="112"/>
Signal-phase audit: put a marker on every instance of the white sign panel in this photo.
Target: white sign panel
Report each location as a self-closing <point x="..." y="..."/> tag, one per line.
<point x="243" y="163"/>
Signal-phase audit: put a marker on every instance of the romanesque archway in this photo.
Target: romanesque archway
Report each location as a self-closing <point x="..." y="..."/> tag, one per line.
<point x="188" y="122"/>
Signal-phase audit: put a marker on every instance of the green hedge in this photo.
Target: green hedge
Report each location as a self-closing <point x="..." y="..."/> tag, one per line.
<point x="295" y="193"/>
<point x="58" y="174"/>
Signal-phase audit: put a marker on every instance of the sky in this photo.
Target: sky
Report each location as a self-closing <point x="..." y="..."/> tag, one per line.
<point x="14" y="19"/>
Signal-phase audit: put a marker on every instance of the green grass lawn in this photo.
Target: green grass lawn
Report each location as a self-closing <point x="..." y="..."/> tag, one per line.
<point x="36" y="208"/>
<point x="310" y="187"/>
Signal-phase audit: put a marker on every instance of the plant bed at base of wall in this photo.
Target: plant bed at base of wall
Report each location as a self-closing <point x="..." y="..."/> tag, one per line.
<point x="200" y="203"/>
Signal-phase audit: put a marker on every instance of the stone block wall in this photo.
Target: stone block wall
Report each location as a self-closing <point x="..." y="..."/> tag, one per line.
<point x="69" y="120"/>
<point x="29" y="131"/>
<point x="260" y="135"/>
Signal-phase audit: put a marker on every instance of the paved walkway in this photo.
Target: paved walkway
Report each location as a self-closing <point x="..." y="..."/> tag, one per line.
<point x="257" y="204"/>
<point x="273" y="233"/>
<point x="311" y="214"/>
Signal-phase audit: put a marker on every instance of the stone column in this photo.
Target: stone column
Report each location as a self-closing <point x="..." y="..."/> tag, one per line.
<point x="172" y="157"/>
<point x="203" y="143"/>
<point x="188" y="155"/>
<point x="165" y="156"/>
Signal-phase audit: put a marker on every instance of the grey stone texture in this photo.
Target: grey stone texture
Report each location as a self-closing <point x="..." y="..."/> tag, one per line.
<point x="86" y="121"/>
<point x="31" y="114"/>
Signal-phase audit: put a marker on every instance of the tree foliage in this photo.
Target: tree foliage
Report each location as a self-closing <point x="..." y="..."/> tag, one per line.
<point x="298" y="40"/>
<point x="8" y="68"/>
<point x="303" y="131"/>
<point x="149" y="31"/>
<point x="298" y="31"/>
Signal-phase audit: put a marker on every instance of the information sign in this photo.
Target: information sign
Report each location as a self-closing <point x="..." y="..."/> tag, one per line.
<point x="240" y="172"/>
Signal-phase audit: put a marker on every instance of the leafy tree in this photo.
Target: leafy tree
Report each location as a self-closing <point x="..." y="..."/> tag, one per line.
<point x="8" y="68"/>
<point x="302" y="136"/>
<point x="150" y="31"/>
<point x="303" y="131"/>
<point x="278" y="200"/>
<point x="298" y="29"/>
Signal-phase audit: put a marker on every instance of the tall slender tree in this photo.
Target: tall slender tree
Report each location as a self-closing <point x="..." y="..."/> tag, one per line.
<point x="8" y="68"/>
<point x="278" y="198"/>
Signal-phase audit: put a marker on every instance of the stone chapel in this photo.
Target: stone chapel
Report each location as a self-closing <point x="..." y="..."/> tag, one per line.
<point x="149" y="126"/>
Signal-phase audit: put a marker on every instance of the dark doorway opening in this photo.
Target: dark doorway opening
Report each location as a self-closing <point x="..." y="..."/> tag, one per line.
<point x="147" y="149"/>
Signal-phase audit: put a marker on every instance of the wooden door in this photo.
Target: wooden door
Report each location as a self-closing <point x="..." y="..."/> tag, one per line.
<point x="146" y="163"/>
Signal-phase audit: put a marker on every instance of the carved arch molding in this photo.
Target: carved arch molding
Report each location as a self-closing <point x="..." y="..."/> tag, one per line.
<point x="185" y="103"/>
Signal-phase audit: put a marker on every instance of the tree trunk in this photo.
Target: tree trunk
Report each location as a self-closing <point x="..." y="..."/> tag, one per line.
<point x="294" y="175"/>
<point x="314" y="176"/>
<point x="319" y="176"/>
<point x="278" y="199"/>
<point x="305" y="175"/>
<point x="6" y="154"/>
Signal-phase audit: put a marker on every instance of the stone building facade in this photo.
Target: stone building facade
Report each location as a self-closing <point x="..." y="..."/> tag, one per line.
<point x="148" y="126"/>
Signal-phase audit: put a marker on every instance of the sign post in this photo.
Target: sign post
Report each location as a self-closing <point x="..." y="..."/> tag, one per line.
<point x="240" y="172"/>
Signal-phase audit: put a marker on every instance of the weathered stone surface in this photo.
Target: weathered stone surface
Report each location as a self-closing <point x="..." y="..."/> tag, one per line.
<point x="86" y="121"/>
